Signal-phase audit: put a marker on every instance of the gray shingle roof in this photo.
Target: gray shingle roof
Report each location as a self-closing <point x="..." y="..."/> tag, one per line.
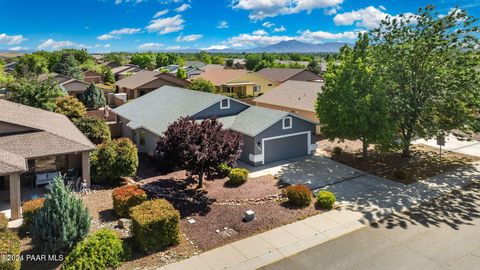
<point x="279" y="74"/>
<point x="255" y="119"/>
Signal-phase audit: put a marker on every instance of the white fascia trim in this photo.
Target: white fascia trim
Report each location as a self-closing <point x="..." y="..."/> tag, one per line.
<point x="225" y="107"/>
<point x="283" y="122"/>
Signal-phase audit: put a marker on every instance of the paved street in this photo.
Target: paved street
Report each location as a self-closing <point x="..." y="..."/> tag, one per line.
<point x="442" y="234"/>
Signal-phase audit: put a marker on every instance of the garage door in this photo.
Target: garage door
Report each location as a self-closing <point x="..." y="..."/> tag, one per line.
<point x="286" y="147"/>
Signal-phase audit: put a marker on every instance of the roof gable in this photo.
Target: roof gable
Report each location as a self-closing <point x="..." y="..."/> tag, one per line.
<point x="280" y="74"/>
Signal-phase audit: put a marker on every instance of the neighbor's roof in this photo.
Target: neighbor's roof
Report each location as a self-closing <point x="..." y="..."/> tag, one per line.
<point x="119" y="69"/>
<point x="280" y="74"/>
<point x="157" y="109"/>
<point x="11" y="163"/>
<point x="221" y="76"/>
<point x="293" y="94"/>
<point x="48" y="133"/>
<point x="145" y="76"/>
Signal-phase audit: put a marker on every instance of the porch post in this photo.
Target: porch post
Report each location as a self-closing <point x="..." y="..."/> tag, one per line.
<point x="86" y="167"/>
<point x="15" y="196"/>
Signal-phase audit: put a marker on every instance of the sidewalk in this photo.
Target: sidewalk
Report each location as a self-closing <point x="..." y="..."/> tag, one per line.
<point x="361" y="201"/>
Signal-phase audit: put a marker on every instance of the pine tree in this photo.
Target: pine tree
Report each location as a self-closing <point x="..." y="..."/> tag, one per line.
<point x="68" y="66"/>
<point x="109" y="78"/>
<point x="62" y="222"/>
<point x="93" y="97"/>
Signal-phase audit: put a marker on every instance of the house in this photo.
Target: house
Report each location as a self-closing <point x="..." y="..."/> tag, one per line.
<point x="195" y="64"/>
<point x="145" y="81"/>
<point x="71" y="86"/>
<point x="297" y="97"/>
<point x="291" y="62"/>
<point x="10" y="67"/>
<point x="90" y="76"/>
<point x="268" y="135"/>
<point x="121" y="72"/>
<point x="35" y="143"/>
<point x="294" y="74"/>
<point x="172" y="69"/>
<point x="239" y="81"/>
<point x="240" y="63"/>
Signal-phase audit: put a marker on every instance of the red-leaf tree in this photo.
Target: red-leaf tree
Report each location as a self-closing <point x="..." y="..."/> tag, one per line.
<point x="199" y="147"/>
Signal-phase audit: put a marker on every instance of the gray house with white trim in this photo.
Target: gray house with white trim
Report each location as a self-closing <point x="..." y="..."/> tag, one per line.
<point x="268" y="135"/>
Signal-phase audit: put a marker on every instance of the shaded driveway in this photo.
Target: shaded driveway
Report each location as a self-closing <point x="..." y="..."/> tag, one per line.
<point x="314" y="171"/>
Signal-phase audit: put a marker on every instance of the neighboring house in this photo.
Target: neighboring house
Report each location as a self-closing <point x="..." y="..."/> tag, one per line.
<point x="195" y="64"/>
<point x="212" y="66"/>
<point x="293" y="96"/>
<point x="294" y="74"/>
<point x="146" y="81"/>
<point x="71" y="86"/>
<point x="290" y="62"/>
<point x="240" y="63"/>
<point x="121" y="72"/>
<point x="172" y="69"/>
<point x="36" y="144"/>
<point x="10" y="67"/>
<point x="90" y="76"/>
<point x="268" y="135"/>
<point x="239" y="81"/>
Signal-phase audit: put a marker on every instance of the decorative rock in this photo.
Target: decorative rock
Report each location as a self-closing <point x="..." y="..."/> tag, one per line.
<point x="217" y="231"/>
<point x="124" y="223"/>
<point x="191" y="221"/>
<point x="249" y="216"/>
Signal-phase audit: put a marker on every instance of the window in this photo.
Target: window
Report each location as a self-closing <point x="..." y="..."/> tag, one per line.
<point x="257" y="88"/>
<point x="225" y="104"/>
<point x="142" y="138"/>
<point x="287" y="123"/>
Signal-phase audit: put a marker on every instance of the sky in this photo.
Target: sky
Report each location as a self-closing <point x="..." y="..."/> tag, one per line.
<point x="151" y="25"/>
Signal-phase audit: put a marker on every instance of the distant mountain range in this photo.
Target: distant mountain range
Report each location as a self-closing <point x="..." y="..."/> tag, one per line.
<point x="292" y="46"/>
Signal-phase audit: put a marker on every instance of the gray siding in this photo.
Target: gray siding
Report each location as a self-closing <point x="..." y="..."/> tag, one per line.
<point x="248" y="148"/>
<point x="214" y="110"/>
<point x="299" y="125"/>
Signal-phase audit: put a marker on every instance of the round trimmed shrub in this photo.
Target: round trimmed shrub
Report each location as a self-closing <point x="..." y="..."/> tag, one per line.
<point x="299" y="195"/>
<point x="29" y="208"/>
<point x="238" y="176"/>
<point x="101" y="250"/>
<point x="337" y="151"/>
<point x="400" y="174"/>
<point x="127" y="197"/>
<point x="325" y="199"/>
<point x="9" y="251"/>
<point x="155" y="225"/>
<point x="223" y="170"/>
<point x="3" y="222"/>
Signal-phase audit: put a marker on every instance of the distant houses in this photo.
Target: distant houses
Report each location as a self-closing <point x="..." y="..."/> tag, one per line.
<point x="281" y="75"/>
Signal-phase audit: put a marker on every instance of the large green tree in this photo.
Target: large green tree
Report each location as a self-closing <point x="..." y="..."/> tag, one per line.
<point x="353" y="104"/>
<point x="93" y="97"/>
<point x="96" y="129"/>
<point x="5" y="78"/>
<point x="31" y="64"/>
<point x="203" y="85"/>
<point x="144" y="60"/>
<point x="67" y="65"/>
<point x="35" y="92"/>
<point x="70" y="107"/>
<point x="429" y="63"/>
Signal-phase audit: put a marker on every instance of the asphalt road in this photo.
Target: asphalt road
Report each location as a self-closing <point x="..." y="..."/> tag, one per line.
<point x="443" y="234"/>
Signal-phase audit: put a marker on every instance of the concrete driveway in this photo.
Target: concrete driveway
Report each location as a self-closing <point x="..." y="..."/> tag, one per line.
<point x="314" y="171"/>
<point x="468" y="147"/>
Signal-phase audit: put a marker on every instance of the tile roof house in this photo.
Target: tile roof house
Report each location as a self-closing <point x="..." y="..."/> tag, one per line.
<point x="34" y="142"/>
<point x="268" y="135"/>
<point x="172" y="69"/>
<point x="73" y="87"/>
<point x="294" y="74"/>
<point x="293" y="96"/>
<point x="90" y="76"/>
<point x="146" y="81"/>
<point x="239" y="81"/>
<point x="121" y="72"/>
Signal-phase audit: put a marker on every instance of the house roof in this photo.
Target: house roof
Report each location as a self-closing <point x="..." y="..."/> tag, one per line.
<point x="11" y="163"/>
<point x="221" y="76"/>
<point x="212" y="66"/>
<point x="119" y="69"/>
<point x="195" y="64"/>
<point x="48" y="133"/>
<point x="299" y="95"/>
<point x="157" y="109"/>
<point x="143" y="77"/>
<point x="280" y="74"/>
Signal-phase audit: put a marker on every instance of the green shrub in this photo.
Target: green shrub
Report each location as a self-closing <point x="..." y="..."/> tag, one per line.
<point x="62" y="222"/>
<point x="325" y="199"/>
<point x="238" y="176"/>
<point x="3" y="222"/>
<point x="400" y="174"/>
<point x="9" y="251"/>
<point x="337" y="151"/>
<point x="94" y="128"/>
<point x="127" y="197"/>
<point x="223" y="170"/>
<point x="113" y="160"/>
<point x="155" y="225"/>
<point x="101" y="250"/>
<point x="29" y="208"/>
<point x="299" y="195"/>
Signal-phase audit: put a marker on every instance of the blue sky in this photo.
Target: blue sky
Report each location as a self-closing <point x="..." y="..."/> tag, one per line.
<point x="136" y="25"/>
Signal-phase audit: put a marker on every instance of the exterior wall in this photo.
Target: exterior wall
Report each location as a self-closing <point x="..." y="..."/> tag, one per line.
<point x="214" y="110"/>
<point x="306" y="76"/>
<point x="265" y="84"/>
<point x="94" y="79"/>
<point x="305" y="114"/>
<point x="150" y="141"/>
<point x="299" y="125"/>
<point x="76" y="86"/>
<point x="11" y="128"/>
<point x="248" y="149"/>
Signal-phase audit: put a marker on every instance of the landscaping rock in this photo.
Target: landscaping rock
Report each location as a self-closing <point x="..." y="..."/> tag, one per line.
<point x="124" y="223"/>
<point x="249" y="216"/>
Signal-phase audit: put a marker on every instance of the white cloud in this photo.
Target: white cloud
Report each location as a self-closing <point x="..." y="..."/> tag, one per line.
<point x="222" y="24"/>
<point x="174" y="48"/>
<point x="280" y="29"/>
<point x="260" y="9"/>
<point x="18" y="48"/>
<point x="247" y="40"/>
<point x="188" y="38"/>
<point x="260" y="32"/>
<point x="215" y="47"/>
<point x="182" y="8"/>
<point x="268" y="24"/>
<point x="51" y="44"/>
<point x="11" y="40"/>
<point x="166" y="25"/>
<point x="160" y="13"/>
<point x="369" y="17"/>
<point x="319" y="36"/>
<point x="150" y="46"/>
<point x="330" y="11"/>
<point x="106" y="37"/>
<point x="125" y="31"/>
<point x="107" y="46"/>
